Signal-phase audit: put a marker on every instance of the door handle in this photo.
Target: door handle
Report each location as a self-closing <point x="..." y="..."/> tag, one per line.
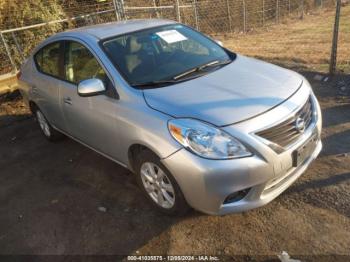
<point x="34" y="89"/>
<point x="67" y="100"/>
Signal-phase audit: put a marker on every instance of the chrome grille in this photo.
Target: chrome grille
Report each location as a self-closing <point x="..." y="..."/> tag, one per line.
<point x="288" y="131"/>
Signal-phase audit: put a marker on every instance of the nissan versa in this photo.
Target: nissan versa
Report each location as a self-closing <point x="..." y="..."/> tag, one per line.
<point x="199" y="125"/>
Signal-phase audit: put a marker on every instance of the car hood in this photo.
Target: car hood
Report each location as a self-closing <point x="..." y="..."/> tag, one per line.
<point x="241" y="90"/>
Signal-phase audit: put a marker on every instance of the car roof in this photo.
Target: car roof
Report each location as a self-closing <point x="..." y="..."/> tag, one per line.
<point x="106" y="30"/>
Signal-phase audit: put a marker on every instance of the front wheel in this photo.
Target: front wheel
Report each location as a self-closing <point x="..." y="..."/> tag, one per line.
<point x="159" y="185"/>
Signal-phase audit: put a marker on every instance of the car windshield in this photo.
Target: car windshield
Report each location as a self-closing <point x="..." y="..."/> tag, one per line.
<point x="164" y="55"/>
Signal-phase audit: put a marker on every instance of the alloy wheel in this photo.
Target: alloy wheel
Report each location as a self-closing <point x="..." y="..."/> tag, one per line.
<point x="157" y="185"/>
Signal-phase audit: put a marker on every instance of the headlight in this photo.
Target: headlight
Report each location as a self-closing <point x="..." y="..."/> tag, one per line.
<point x="205" y="140"/>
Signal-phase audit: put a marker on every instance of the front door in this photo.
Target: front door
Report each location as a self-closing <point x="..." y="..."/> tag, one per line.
<point x="89" y="119"/>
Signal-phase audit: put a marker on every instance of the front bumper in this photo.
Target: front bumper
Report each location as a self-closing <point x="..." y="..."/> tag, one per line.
<point x="207" y="183"/>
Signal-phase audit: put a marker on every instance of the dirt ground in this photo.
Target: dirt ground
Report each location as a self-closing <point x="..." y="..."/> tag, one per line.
<point x="302" y="43"/>
<point x="8" y="83"/>
<point x="50" y="194"/>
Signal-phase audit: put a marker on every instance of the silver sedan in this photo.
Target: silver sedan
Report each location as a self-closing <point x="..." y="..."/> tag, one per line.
<point x="199" y="125"/>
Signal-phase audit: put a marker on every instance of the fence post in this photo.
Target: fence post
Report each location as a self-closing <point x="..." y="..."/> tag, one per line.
<point x="333" y="62"/>
<point x="19" y="49"/>
<point x="244" y="17"/>
<point x="229" y="15"/>
<point x="116" y="10"/>
<point x="8" y="52"/>
<point x="122" y="9"/>
<point x="263" y="12"/>
<point x="289" y="7"/>
<point x="156" y="10"/>
<point x="302" y="9"/>
<point x="119" y="9"/>
<point x="177" y="11"/>
<point x="194" y="3"/>
<point x="277" y="12"/>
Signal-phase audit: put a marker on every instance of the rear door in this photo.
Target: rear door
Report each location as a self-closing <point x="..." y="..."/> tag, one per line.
<point x="92" y="120"/>
<point x="47" y="80"/>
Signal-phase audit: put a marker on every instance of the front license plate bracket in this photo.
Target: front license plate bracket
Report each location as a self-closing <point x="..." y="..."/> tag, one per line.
<point x="304" y="151"/>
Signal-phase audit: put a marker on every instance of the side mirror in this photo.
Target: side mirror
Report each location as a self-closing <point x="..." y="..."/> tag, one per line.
<point x="91" y="87"/>
<point x="219" y="43"/>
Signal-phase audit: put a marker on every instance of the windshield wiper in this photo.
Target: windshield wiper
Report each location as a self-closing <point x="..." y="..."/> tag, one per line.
<point x="154" y="83"/>
<point x="177" y="78"/>
<point x="200" y="68"/>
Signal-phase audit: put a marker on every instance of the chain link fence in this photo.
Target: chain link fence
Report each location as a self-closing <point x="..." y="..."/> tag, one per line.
<point x="262" y="28"/>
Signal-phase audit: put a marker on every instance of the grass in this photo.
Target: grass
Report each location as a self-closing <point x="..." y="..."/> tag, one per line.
<point x="302" y="44"/>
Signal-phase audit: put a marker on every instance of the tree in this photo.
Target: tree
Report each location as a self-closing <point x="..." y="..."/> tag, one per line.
<point x="19" y="13"/>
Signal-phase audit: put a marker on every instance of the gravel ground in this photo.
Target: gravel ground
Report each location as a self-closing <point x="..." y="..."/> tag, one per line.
<point x="62" y="198"/>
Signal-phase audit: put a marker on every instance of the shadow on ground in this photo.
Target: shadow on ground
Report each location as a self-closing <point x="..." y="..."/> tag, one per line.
<point x="51" y="193"/>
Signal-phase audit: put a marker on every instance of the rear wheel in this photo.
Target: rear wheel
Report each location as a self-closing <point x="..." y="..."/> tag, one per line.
<point x="47" y="130"/>
<point x="159" y="185"/>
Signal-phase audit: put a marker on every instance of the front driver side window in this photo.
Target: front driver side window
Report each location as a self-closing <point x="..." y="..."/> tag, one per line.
<point x="80" y="64"/>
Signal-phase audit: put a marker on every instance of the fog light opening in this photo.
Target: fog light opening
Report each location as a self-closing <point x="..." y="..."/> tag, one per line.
<point x="236" y="196"/>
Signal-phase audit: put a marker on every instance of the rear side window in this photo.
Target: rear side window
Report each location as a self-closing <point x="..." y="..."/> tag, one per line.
<point x="48" y="59"/>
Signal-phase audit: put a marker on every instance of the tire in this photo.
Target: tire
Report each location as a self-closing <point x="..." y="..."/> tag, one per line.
<point x="46" y="129"/>
<point x="166" y="185"/>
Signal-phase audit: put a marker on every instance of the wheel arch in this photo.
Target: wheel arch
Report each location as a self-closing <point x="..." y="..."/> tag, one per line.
<point x="133" y="151"/>
<point x="32" y="106"/>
